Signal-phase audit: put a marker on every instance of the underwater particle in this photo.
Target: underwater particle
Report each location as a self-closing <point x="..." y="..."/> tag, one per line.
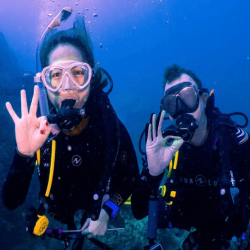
<point x="49" y="14"/>
<point x="87" y="9"/>
<point x="95" y="197"/>
<point x="167" y="21"/>
<point x="76" y="3"/>
<point x="53" y="9"/>
<point x="79" y="12"/>
<point x="101" y="46"/>
<point x="248" y="58"/>
<point x="51" y="196"/>
<point x="58" y="4"/>
<point x="95" y="15"/>
<point x="69" y="148"/>
<point x="59" y="178"/>
<point x="88" y="21"/>
<point x="95" y="8"/>
<point x="46" y="206"/>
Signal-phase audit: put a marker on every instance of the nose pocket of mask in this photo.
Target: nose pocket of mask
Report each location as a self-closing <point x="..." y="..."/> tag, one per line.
<point x="66" y="83"/>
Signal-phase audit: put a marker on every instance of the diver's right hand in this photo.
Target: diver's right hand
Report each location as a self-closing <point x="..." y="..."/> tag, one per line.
<point x="159" y="151"/>
<point x="31" y="132"/>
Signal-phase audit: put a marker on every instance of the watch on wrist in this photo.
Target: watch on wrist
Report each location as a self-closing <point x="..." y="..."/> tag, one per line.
<point x="111" y="209"/>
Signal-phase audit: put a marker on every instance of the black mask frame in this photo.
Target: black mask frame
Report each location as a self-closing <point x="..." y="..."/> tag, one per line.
<point x="182" y="98"/>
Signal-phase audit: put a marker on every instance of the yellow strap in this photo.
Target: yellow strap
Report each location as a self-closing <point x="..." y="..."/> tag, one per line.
<point x="163" y="190"/>
<point x="173" y="194"/>
<point x="38" y="158"/>
<point x="176" y="159"/>
<point x="128" y="201"/>
<point x="52" y="165"/>
<point x="170" y="169"/>
<point x="171" y="164"/>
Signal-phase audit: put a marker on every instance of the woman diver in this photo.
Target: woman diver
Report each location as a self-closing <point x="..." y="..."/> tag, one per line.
<point x="90" y="162"/>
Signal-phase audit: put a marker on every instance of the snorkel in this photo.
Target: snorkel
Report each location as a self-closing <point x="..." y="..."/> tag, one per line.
<point x="60" y="19"/>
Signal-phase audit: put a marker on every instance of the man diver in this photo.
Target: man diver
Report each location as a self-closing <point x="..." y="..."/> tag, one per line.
<point x="207" y="183"/>
<point x="91" y="163"/>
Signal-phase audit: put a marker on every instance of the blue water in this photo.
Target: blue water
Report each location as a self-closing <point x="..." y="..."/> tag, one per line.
<point x="140" y="38"/>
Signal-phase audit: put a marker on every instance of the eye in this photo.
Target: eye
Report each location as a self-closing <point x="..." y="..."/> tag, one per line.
<point x="57" y="74"/>
<point x="77" y="71"/>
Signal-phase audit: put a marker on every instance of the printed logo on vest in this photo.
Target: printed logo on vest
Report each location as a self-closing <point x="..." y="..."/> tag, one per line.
<point x="46" y="151"/>
<point x="76" y="160"/>
<point x="200" y="180"/>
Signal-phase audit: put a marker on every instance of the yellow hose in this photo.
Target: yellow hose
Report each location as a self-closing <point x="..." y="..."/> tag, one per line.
<point x="52" y="166"/>
<point x="38" y="157"/>
<point x="176" y="159"/>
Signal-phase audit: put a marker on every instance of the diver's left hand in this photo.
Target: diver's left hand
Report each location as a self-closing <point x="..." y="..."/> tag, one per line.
<point x="98" y="227"/>
<point x="159" y="151"/>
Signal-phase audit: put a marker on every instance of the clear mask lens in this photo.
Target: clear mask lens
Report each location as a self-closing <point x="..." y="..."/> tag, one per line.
<point x="56" y="76"/>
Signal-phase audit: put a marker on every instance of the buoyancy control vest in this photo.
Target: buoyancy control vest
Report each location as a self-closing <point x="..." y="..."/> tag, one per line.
<point x="111" y="144"/>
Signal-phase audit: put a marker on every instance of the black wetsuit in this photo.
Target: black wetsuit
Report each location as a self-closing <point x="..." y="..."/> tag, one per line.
<point x="79" y="165"/>
<point x="198" y="202"/>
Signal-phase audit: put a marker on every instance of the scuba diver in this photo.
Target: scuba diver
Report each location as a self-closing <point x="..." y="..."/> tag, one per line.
<point x="204" y="161"/>
<point x="82" y="152"/>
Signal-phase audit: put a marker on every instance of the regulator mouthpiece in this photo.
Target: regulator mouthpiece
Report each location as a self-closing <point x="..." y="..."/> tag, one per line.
<point x="186" y="126"/>
<point x="67" y="118"/>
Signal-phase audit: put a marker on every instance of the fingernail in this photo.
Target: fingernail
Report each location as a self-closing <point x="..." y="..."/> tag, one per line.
<point x="47" y="124"/>
<point x="41" y="132"/>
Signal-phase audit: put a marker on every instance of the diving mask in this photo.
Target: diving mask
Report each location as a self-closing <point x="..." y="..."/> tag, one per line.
<point x="181" y="99"/>
<point x="66" y="75"/>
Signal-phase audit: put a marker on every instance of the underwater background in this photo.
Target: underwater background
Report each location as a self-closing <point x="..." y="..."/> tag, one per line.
<point x="134" y="41"/>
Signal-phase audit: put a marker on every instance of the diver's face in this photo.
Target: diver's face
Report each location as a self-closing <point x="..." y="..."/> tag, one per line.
<point x="198" y="114"/>
<point x="65" y="55"/>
